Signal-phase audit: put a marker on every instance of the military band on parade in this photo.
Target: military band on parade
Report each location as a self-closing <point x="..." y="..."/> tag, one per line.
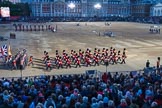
<point x="84" y="58"/>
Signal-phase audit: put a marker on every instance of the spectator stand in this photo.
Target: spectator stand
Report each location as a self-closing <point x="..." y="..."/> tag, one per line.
<point x="69" y="89"/>
<point x="152" y="70"/>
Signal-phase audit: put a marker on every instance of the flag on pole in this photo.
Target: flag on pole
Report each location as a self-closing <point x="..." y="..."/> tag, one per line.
<point x="9" y="50"/>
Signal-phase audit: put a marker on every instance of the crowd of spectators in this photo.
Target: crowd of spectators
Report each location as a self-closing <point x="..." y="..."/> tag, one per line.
<point x="109" y="90"/>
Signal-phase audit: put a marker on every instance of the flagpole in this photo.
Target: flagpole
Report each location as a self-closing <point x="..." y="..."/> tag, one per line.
<point x="9" y="50"/>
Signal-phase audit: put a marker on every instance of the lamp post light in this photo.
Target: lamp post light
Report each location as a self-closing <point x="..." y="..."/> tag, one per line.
<point x="71" y="6"/>
<point x="98" y="7"/>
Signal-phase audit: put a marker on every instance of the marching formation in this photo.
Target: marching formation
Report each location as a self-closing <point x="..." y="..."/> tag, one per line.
<point x="34" y="27"/>
<point x="84" y="58"/>
<point x="62" y="59"/>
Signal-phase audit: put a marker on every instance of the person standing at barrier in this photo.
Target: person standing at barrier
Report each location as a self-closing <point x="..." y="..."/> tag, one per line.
<point x="147" y="64"/>
<point x="158" y="64"/>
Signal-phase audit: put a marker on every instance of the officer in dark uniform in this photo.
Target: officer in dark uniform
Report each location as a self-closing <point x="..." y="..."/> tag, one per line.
<point x="147" y="64"/>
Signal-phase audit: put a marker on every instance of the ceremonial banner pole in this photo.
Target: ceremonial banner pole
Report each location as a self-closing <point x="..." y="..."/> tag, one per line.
<point x="9" y="50"/>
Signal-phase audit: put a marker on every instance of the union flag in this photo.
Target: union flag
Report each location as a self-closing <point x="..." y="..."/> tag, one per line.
<point x="3" y="51"/>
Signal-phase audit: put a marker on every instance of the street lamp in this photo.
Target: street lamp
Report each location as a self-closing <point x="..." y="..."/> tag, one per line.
<point x="98" y="7"/>
<point x="71" y="6"/>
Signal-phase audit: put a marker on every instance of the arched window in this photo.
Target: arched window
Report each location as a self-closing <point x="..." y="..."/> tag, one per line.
<point x="155" y="12"/>
<point x="158" y="14"/>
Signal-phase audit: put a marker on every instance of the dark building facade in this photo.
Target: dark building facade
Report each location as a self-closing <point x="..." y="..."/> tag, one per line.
<point x="140" y="8"/>
<point x="83" y="8"/>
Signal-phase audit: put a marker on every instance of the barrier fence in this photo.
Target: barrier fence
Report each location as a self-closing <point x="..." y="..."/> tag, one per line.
<point x="97" y="74"/>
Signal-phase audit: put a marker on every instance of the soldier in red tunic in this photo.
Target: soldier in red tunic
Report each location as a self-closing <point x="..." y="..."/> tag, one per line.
<point x="14" y="65"/>
<point x="111" y="49"/>
<point x="96" y="60"/>
<point x="30" y="61"/>
<point x="68" y="62"/>
<point x="114" y="58"/>
<point x="102" y="58"/>
<point x="123" y="59"/>
<point x="45" y="56"/>
<point x="95" y="50"/>
<point x="106" y="52"/>
<point x="110" y="57"/>
<point x="103" y="51"/>
<point x="78" y="62"/>
<point x="124" y="51"/>
<point x="114" y="50"/>
<point x="118" y="57"/>
<point x="87" y="61"/>
<point x="63" y="52"/>
<point x="48" y="64"/>
<point x="60" y="63"/>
